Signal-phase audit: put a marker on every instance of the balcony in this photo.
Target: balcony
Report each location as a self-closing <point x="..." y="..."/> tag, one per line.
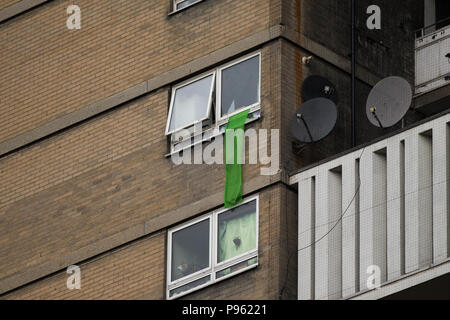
<point x="432" y="54"/>
<point x="380" y="208"/>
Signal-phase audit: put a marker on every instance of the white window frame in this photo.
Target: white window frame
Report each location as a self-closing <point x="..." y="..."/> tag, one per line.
<point x="214" y="267"/>
<point x="184" y="84"/>
<point x="225" y="264"/>
<point x="255" y="106"/>
<point x="176" y="2"/>
<point x="169" y="257"/>
<point x="217" y="127"/>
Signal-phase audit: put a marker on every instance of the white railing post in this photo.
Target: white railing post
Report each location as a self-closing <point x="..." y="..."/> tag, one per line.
<point x="321" y="246"/>
<point x="306" y="204"/>
<point x="440" y="192"/>
<point x="418" y="202"/>
<point x="395" y="209"/>
<point x="350" y="231"/>
<point x="328" y="279"/>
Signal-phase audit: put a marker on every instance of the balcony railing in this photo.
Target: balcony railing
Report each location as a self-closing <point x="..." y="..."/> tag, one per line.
<point x="432" y="57"/>
<point x="382" y="207"/>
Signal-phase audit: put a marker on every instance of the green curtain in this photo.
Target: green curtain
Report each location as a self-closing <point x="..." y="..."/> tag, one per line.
<point x="233" y="170"/>
<point x="242" y="227"/>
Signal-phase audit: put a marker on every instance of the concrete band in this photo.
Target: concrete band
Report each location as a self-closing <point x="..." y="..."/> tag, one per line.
<point x="404" y="282"/>
<point x="441" y="94"/>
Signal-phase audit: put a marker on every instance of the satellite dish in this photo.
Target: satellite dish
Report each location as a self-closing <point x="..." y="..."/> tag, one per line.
<point x="314" y="120"/>
<point x="388" y="102"/>
<point x="318" y="87"/>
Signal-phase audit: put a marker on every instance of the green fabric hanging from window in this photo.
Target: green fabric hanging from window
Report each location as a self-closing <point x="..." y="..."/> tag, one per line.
<point x="234" y="133"/>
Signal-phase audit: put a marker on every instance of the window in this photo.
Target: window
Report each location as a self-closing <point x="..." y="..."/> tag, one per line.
<point x="212" y="248"/>
<point x="181" y="4"/>
<point x="436" y="16"/>
<point x="237" y="86"/>
<point x="190" y="103"/>
<point x="190" y="250"/>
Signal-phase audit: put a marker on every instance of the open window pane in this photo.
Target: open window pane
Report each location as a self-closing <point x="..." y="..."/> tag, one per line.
<point x="190" y="250"/>
<point x="236" y="231"/>
<point x="240" y="85"/>
<point x="190" y="103"/>
<point x="185" y="3"/>
<point x="191" y="247"/>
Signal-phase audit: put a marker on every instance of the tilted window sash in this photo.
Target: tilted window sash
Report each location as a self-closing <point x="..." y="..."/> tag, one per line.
<point x="190" y="103"/>
<point x="181" y="4"/>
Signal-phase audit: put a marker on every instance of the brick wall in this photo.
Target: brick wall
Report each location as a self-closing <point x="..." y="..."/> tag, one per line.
<point x="385" y="52"/>
<point x="120" y="44"/>
<point x="395" y="56"/>
<point x="102" y="183"/>
<point x="7" y="3"/>
<point x="105" y="176"/>
<point x="137" y="270"/>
